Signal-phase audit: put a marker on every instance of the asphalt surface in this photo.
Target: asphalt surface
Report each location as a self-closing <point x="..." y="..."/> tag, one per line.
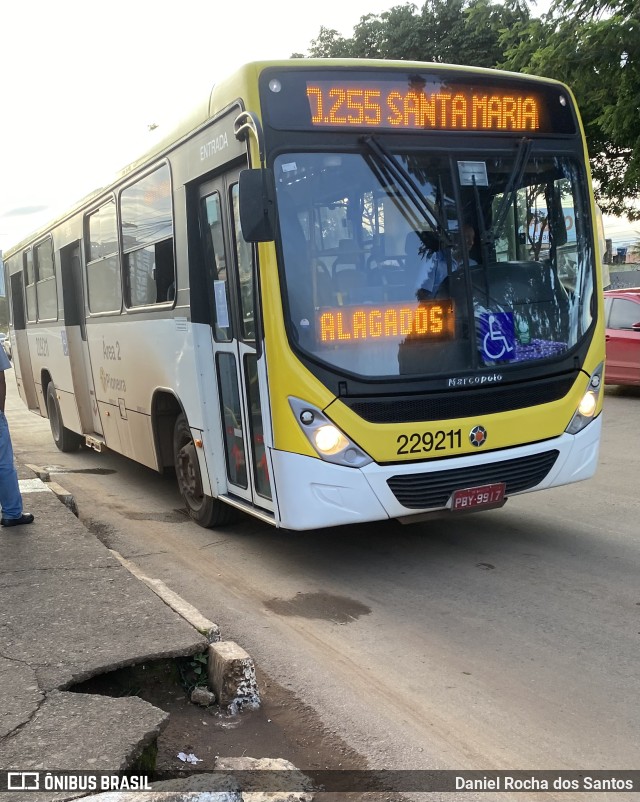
<point x="522" y="620"/>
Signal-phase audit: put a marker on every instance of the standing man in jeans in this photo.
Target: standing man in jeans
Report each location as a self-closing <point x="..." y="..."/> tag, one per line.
<point x="10" y="498"/>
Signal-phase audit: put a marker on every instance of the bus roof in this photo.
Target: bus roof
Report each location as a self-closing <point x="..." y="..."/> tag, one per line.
<point x="244" y="81"/>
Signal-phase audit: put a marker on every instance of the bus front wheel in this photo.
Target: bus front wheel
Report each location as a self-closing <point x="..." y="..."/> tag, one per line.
<point x="64" y="438"/>
<point x="204" y="510"/>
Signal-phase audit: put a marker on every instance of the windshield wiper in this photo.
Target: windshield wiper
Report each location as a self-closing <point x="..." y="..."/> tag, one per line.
<point x="490" y="235"/>
<point x="390" y="171"/>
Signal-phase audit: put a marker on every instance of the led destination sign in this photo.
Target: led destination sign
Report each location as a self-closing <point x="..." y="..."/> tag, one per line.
<point x="431" y="321"/>
<point x="434" y="106"/>
<point x="406" y="101"/>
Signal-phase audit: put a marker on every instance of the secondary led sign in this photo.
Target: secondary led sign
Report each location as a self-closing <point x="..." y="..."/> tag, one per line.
<point x="435" y="106"/>
<point x="431" y="321"/>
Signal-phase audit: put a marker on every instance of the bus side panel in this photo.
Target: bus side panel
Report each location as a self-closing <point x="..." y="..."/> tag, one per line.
<point x="136" y="355"/>
<point x="49" y="358"/>
<point x="110" y="426"/>
<point x="68" y="410"/>
<point x="136" y="437"/>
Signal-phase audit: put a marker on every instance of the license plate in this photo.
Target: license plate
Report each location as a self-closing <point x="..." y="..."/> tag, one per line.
<point x="474" y="498"/>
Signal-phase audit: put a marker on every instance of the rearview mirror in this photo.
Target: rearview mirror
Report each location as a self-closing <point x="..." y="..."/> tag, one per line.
<point x="257" y="205"/>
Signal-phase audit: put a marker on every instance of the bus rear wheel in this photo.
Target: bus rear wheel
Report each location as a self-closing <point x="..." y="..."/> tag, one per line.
<point x="203" y="509"/>
<point x="64" y="438"/>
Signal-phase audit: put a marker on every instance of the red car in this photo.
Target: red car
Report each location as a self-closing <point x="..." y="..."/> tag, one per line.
<point x="622" y="318"/>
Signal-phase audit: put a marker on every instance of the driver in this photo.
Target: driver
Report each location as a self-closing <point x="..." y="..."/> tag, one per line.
<point x="434" y="268"/>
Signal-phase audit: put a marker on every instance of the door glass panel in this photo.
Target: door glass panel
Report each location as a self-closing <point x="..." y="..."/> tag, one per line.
<point x="17" y="302"/>
<point x="260" y="466"/>
<point x="232" y="420"/>
<point x="32" y="308"/>
<point x="216" y="266"/>
<point x="244" y="259"/>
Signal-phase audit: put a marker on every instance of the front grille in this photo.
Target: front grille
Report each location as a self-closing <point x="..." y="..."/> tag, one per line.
<point x="459" y="403"/>
<point x="433" y="489"/>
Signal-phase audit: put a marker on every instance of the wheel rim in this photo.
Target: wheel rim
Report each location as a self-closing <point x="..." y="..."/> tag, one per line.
<point x="189" y="476"/>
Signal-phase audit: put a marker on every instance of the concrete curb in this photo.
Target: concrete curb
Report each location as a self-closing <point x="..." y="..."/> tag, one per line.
<point x="43" y="483"/>
<point x="190" y="614"/>
<point x="70" y="612"/>
<point x="231" y="673"/>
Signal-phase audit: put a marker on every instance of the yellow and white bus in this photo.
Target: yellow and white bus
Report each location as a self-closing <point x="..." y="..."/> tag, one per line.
<point x="337" y="294"/>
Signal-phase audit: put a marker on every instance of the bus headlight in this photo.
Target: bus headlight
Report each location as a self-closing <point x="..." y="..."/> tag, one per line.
<point x="329" y="440"/>
<point x="589" y="403"/>
<point x="330" y="443"/>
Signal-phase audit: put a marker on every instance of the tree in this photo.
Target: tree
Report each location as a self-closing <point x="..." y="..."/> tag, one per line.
<point x="329" y="44"/>
<point x="594" y="47"/>
<point x="444" y="31"/>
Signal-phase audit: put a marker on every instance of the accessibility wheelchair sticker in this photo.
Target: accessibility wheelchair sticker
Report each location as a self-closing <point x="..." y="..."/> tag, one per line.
<point x="497" y="336"/>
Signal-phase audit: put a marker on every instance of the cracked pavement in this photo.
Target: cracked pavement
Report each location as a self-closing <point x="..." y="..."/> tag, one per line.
<point x="70" y="611"/>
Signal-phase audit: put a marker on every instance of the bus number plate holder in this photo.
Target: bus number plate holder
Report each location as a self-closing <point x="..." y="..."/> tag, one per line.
<point x="478" y="498"/>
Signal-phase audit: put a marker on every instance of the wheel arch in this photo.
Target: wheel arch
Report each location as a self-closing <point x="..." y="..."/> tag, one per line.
<point x="45" y="380"/>
<point x="165" y="409"/>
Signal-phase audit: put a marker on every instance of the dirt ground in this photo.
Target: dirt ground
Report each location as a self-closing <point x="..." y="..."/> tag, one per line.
<point x="282" y="727"/>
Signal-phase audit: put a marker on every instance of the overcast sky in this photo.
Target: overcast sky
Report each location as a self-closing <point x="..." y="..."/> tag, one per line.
<point x="83" y="81"/>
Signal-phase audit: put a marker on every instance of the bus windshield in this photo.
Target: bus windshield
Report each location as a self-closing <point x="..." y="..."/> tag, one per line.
<point x="428" y="263"/>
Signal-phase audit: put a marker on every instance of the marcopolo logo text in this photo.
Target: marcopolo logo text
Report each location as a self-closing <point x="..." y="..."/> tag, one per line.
<point x="474" y="381"/>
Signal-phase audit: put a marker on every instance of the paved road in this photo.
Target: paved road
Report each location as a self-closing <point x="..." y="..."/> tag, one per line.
<point x="505" y="639"/>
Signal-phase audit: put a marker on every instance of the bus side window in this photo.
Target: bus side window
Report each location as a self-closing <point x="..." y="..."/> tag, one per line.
<point x="147" y="239"/>
<point x="103" y="263"/>
<point x="46" y="293"/>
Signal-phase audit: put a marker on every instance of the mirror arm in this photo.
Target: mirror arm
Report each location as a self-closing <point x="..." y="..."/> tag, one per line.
<point x="247" y="123"/>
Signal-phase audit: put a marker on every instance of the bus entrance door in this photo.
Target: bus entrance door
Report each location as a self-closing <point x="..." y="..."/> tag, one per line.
<point x="230" y="278"/>
<point x="22" y="355"/>
<point x="76" y="336"/>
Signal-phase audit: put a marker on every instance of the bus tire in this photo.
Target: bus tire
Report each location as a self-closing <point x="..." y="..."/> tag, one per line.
<point x="64" y="438"/>
<point x="203" y="509"/>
